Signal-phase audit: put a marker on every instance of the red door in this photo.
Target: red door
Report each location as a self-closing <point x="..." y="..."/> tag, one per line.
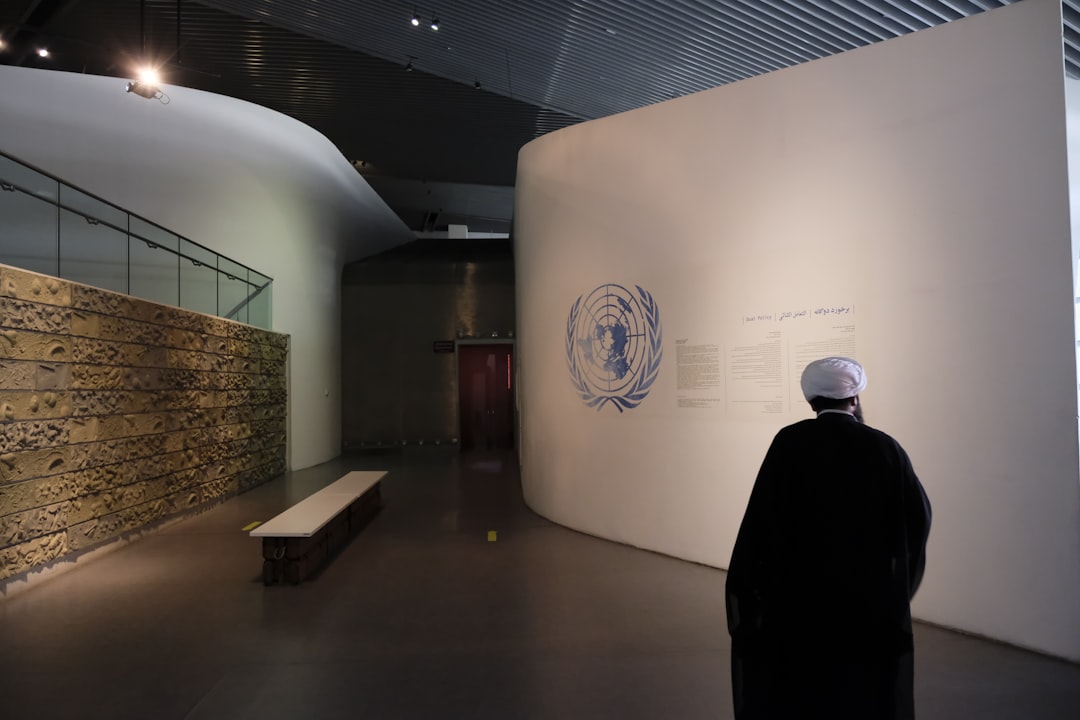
<point x="485" y="382"/>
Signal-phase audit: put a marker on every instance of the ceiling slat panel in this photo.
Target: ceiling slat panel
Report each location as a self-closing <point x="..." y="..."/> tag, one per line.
<point x="340" y="64"/>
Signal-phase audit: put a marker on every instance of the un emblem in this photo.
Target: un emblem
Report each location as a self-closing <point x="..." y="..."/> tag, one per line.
<point x="614" y="346"/>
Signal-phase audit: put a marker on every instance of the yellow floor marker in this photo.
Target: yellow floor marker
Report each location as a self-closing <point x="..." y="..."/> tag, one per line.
<point x="492" y="536"/>
<point x="251" y="526"/>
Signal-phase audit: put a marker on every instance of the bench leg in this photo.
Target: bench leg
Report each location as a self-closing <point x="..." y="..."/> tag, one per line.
<point x="291" y="559"/>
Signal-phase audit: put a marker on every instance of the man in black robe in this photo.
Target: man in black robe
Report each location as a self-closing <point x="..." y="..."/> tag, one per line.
<point x="829" y="554"/>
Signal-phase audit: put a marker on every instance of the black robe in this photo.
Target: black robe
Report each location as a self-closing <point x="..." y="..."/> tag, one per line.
<point x="829" y="554"/>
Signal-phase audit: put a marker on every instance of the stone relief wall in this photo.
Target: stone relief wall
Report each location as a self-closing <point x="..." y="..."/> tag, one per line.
<point x="118" y="413"/>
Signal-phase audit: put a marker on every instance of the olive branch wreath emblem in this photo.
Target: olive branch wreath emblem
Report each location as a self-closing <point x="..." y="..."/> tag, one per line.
<point x="633" y="395"/>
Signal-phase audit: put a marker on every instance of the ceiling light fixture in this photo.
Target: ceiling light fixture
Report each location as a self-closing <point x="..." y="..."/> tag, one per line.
<point x="476" y="84"/>
<point x="415" y="20"/>
<point x="146" y="90"/>
<point x="435" y="23"/>
<point x="43" y="52"/>
<point x="149" y="76"/>
<point x="409" y="65"/>
<point x="146" y="85"/>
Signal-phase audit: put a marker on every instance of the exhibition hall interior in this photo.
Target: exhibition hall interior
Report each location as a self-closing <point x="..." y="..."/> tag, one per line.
<point x="388" y="360"/>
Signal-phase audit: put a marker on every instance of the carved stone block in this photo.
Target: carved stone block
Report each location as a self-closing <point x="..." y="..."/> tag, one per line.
<point x="31" y="405"/>
<point x="242" y="348"/>
<point x="24" y="345"/>
<point x="42" y="491"/>
<point x="196" y="360"/>
<point x="106" y="452"/>
<point x="16" y="466"/>
<point x="17" y="528"/>
<point x="33" y="553"/>
<point x="104" y="352"/>
<point x="218" y="488"/>
<point x="98" y="377"/>
<point x="103" y="302"/>
<point x="107" y="527"/>
<point x="52" y="376"/>
<point x="116" y="426"/>
<point x="22" y="315"/>
<point x="33" y="435"/>
<point x="85" y="324"/>
<point x="26" y="285"/>
<point x="241" y="364"/>
<point x="220" y="327"/>
<point x="18" y="375"/>
<point x="277" y="340"/>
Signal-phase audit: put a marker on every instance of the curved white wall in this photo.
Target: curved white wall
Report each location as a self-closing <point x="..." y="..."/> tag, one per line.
<point x="920" y="183"/>
<point x="250" y="183"/>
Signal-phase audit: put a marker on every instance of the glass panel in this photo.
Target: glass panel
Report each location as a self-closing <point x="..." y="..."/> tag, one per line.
<point x="155" y="268"/>
<point x="259" y="305"/>
<point x="233" y="290"/>
<point x="27" y="232"/>
<point x="28" y="209"/>
<point x="88" y="240"/>
<point x="198" y="278"/>
<point x="90" y="207"/>
<point x="92" y="253"/>
<point x="93" y="241"/>
<point x="154" y="233"/>
<point x="31" y="181"/>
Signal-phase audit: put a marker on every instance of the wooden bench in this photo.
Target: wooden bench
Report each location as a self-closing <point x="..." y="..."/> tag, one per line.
<point x="299" y="540"/>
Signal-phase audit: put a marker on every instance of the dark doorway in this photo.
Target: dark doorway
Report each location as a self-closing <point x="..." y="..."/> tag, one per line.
<point x="486" y="399"/>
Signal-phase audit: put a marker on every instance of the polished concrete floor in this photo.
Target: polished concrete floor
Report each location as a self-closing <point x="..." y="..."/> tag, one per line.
<point x="421" y="616"/>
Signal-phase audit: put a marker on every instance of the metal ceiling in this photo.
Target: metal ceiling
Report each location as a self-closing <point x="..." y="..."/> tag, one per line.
<point x="340" y="65"/>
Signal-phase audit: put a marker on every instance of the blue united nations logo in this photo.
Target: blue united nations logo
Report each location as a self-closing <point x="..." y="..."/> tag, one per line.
<point x="614" y="346"/>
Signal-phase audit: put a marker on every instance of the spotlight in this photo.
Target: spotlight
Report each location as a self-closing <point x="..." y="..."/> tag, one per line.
<point x="43" y="52"/>
<point x="142" y="89"/>
<point x="476" y="84"/>
<point x="435" y="24"/>
<point x="149" y="76"/>
<point x="408" y="66"/>
<point x="415" y="20"/>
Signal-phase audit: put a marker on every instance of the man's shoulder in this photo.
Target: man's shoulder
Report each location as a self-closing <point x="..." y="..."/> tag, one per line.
<point x="799" y="426"/>
<point x="846" y="424"/>
<point x="885" y="442"/>
<point x="879" y="434"/>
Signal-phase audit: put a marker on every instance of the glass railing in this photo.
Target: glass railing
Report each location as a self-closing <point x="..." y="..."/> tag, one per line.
<point x="51" y="227"/>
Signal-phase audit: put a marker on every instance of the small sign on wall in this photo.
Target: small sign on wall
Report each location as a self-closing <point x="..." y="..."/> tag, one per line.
<point x="443" y="346"/>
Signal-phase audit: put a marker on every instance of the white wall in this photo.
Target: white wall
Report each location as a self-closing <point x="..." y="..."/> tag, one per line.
<point x="247" y="182"/>
<point x="920" y="182"/>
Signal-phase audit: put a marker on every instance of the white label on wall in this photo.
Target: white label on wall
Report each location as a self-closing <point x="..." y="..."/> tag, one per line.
<point x="768" y="351"/>
<point x="700" y="379"/>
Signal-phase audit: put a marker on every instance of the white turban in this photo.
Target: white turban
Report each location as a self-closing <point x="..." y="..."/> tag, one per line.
<point x="833" y="377"/>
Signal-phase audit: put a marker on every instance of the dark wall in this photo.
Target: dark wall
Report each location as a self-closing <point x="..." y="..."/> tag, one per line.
<point x="395" y="388"/>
